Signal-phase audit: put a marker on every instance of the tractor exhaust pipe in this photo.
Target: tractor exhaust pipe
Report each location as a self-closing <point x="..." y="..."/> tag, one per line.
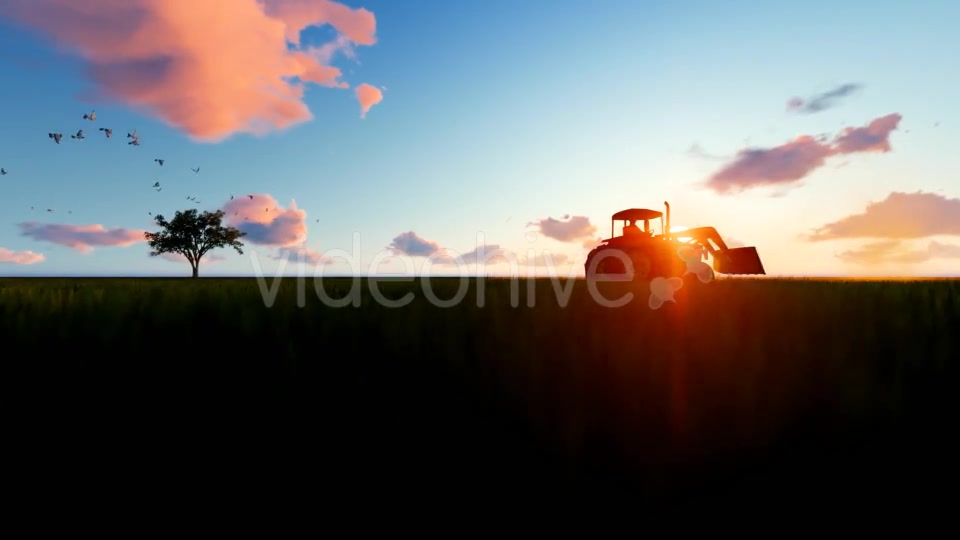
<point x="666" y="228"/>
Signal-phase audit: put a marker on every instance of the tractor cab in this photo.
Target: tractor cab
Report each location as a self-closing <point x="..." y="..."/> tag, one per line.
<point x="636" y="223"/>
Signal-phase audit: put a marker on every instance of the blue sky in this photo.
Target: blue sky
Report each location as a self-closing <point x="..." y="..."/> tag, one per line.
<point x="497" y="114"/>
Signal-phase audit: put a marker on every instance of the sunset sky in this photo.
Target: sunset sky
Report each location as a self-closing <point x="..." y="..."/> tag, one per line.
<point x="823" y="133"/>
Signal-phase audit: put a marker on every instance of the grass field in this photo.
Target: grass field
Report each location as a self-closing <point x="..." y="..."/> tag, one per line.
<point x="742" y="390"/>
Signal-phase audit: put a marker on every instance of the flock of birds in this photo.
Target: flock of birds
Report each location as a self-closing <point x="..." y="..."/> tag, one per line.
<point x="57" y="137"/>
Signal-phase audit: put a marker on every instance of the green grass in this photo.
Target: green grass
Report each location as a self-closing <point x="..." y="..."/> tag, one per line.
<point x="655" y="401"/>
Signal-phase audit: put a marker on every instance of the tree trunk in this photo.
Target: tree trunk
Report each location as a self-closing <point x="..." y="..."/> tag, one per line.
<point x="196" y="269"/>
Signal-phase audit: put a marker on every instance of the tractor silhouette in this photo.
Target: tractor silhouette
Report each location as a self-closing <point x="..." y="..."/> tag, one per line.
<point x="639" y="254"/>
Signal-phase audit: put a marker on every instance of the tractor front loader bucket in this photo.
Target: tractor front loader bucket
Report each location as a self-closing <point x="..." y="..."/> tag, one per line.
<point x="741" y="260"/>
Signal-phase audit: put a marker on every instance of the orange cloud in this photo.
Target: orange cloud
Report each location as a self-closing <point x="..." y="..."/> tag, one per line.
<point x="570" y="229"/>
<point x="790" y="162"/>
<point x="368" y="96"/>
<point x="19" y="257"/>
<point x="357" y="25"/>
<point x="211" y="68"/>
<point x="82" y="238"/>
<point x="894" y="251"/>
<point x="899" y="216"/>
<point x="265" y="221"/>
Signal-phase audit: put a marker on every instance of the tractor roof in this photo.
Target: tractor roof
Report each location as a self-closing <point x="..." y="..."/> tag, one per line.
<point x="637" y="214"/>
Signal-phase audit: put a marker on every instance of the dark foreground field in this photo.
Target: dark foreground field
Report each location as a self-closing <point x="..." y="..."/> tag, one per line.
<point x="743" y="392"/>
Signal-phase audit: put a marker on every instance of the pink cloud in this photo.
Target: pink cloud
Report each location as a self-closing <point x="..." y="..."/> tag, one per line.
<point x="176" y="257"/>
<point x="569" y="229"/>
<point x="874" y="137"/>
<point x="413" y="245"/>
<point x="786" y="163"/>
<point x="209" y="79"/>
<point x="790" y="162"/>
<point x="265" y="221"/>
<point x="19" y="257"/>
<point x="368" y="96"/>
<point x="310" y="256"/>
<point x="82" y="238"/>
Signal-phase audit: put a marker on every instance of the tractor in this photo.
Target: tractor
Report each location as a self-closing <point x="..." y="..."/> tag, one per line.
<point x="658" y="255"/>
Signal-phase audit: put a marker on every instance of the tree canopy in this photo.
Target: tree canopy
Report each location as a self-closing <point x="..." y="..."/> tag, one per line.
<point x="193" y="235"/>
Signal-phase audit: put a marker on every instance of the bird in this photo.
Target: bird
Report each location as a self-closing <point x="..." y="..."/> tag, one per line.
<point x="251" y="197"/>
<point x="160" y="161"/>
<point x="91" y="117"/>
<point x="132" y="135"/>
<point x="196" y="170"/>
<point x="135" y="142"/>
<point x="318" y="221"/>
<point x="231" y="196"/>
<point x="49" y="209"/>
<point x="156" y="186"/>
<point x="79" y="136"/>
<point x="107" y="131"/>
<point x="3" y="172"/>
<point x="55" y="136"/>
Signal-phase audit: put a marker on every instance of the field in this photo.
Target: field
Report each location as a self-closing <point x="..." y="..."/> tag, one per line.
<point x="742" y="391"/>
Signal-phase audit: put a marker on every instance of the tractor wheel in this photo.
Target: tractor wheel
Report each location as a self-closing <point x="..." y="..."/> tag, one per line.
<point x="642" y="267"/>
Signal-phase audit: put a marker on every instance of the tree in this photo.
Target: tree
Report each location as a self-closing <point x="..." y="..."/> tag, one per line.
<point x="193" y="235"/>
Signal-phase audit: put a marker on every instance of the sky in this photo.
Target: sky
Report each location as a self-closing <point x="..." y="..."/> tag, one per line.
<point x="819" y="133"/>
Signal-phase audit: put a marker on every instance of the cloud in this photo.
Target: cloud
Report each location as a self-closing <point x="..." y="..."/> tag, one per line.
<point x="409" y="243"/>
<point x="899" y="216"/>
<point x="824" y="101"/>
<point x="265" y="221"/>
<point x="368" y="96"/>
<point x="874" y="137"/>
<point x="895" y="251"/>
<point x="19" y="257"/>
<point x="572" y="229"/>
<point x="792" y="161"/>
<point x="164" y="57"/>
<point x="82" y="238"/>
<point x="310" y="256"/>
<point x="782" y="164"/>
<point x="176" y="257"/>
